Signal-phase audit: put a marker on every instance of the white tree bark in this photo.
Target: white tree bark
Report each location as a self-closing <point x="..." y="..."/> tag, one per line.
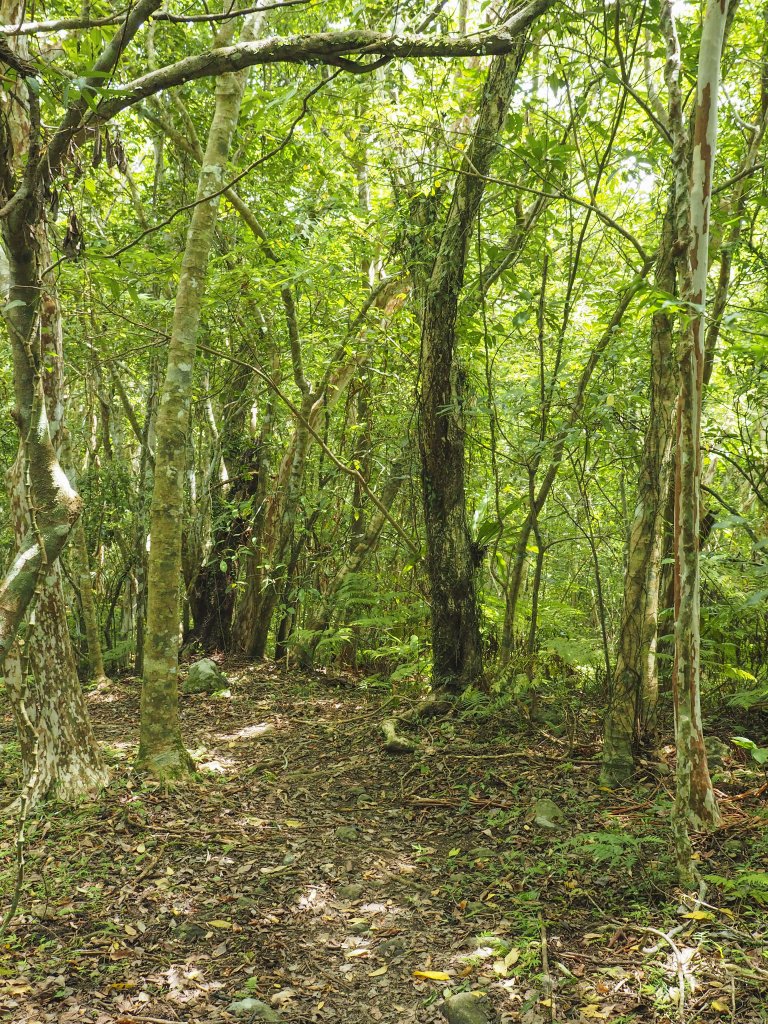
<point x="695" y="799"/>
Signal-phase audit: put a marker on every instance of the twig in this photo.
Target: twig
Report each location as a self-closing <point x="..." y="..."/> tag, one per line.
<point x="125" y="1016"/>
<point x="667" y="937"/>
<point x="549" y="985"/>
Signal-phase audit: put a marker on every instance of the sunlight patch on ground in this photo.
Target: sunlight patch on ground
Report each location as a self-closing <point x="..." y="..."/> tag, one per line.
<point x="250" y="732"/>
<point x="219" y="766"/>
<point x="314" y="899"/>
<point x="118" y="746"/>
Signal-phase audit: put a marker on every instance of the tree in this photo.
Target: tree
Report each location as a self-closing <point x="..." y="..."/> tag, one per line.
<point x="161" y="749"/>
<point x="452" y="560"/>
<point x="695" y="801"/>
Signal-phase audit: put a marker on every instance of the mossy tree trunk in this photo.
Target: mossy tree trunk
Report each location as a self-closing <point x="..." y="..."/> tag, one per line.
<point x="59" y="752"/>
<point x="161" y="749"/>
<point x="452" y="561"/>
<point x="81" y="564"/>
<point x="634" y="686"/>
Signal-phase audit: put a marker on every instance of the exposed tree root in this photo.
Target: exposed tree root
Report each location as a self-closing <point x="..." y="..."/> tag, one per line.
<point x="434" y="707"/>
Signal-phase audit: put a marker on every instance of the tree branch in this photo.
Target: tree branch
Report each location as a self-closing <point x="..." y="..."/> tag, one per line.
<point x="322" y="48"/>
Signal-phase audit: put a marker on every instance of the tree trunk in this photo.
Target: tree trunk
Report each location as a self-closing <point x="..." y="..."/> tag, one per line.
<point x="81" y="564"/>
<point x="695" y="802"/>
<point x="161" y="750"/>
<point x="452" y="561"/>
<point x="59" y="752"/>
<point x="635" y="676"/>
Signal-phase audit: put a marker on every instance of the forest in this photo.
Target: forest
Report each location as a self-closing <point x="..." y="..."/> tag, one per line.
<point x="384" y="584"/>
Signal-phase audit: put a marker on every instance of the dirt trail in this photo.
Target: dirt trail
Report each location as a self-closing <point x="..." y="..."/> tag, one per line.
<point x="307" y="869"/>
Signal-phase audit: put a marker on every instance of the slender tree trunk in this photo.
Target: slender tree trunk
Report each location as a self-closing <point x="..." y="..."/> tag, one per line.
<point x="634" y="682"/>
<point x="161" y="750"/>
<point x="695" y="802"/>
<point x="146" y="486"/>
<point x="518" y="560"/>
<point x="81" y="563"/>
<point x="451" y="559"/>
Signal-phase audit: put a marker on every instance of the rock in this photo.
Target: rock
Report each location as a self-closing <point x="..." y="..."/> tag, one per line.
<point x="717" y="751"/>
<point x="346" y="833"/>
<point x="254" y="1009"/>
<point x="204" y="676"/>
<point x="466" y="1008"/>
<point x="351" y="892"/>
<point x="546" y="813"/>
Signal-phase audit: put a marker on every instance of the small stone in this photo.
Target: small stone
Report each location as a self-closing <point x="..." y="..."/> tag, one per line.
<point x="546" y="813"/>
<point x="255" y="1009"/>
<point x="466" y="1008"/>
<point x="204" y="676"/>
<point x="351" y="892"/>
<point x="346" y="833"/>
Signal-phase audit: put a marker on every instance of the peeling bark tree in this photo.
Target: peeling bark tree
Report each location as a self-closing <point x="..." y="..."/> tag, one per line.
<point x="161" y="750"/>
<point x="695" y="802"/>
<point x="59" y="753"/>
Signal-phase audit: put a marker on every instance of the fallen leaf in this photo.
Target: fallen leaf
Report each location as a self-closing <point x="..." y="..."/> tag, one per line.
<point x="378" y="973"/>
<point x="512" y="957"/>
<point x="219" y="924"/>
<point x="432" y="975"/>
<point x="700" y="915"/>
<point x="720" y="1005"/>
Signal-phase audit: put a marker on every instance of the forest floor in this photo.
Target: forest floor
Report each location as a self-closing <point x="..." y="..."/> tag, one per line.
<point x="306" y="868"/>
